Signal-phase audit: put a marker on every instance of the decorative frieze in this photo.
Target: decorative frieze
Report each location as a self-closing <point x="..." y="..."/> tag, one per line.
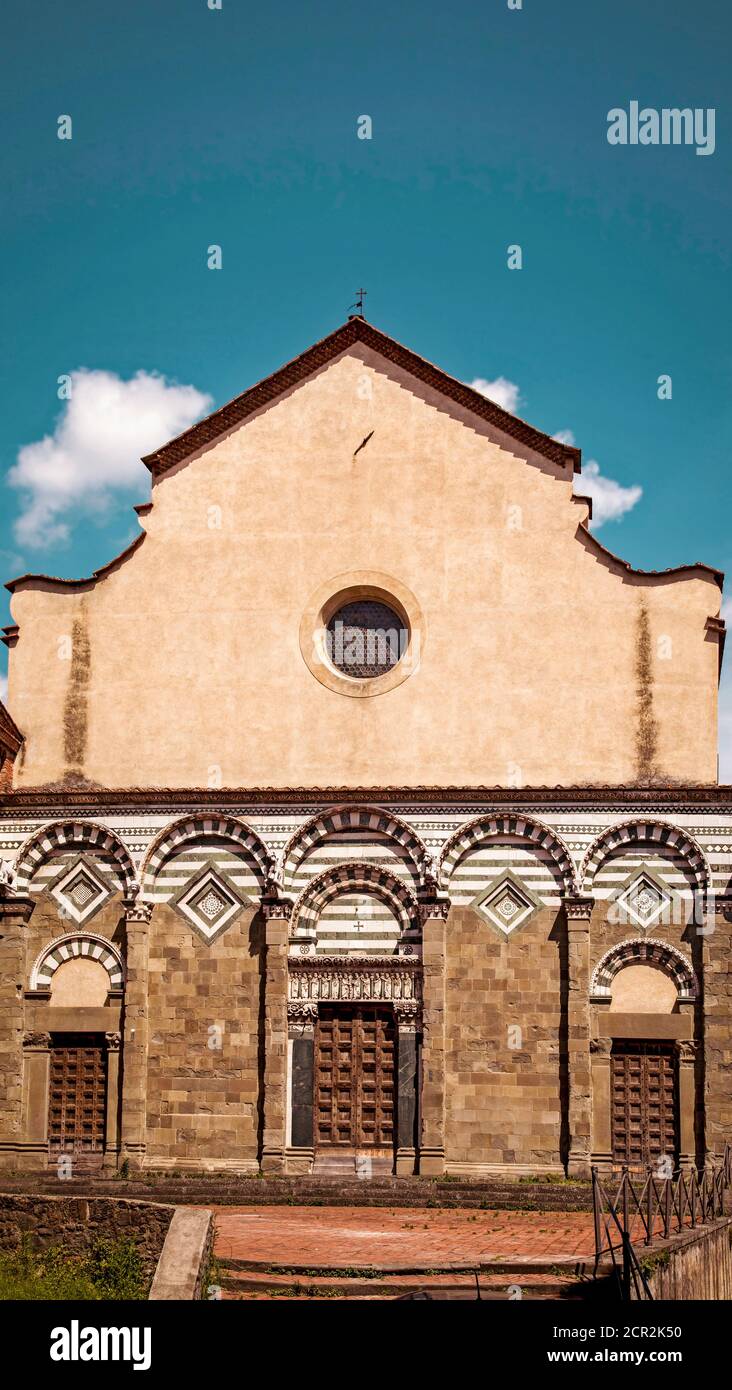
<point x="368" y="980"/>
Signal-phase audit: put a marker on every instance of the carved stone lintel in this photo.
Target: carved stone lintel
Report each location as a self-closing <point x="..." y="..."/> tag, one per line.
<point x="334" y="978"/>
<point x="113" y="1041"/>
<point x="601" y="1047"/>
<point x="37" y="1041"/>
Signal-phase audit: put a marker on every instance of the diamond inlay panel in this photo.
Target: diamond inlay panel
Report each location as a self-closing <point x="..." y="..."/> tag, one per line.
<point x="210" y="903"/>
<point x="644" y="901"/>
<point x="507" y="904"/>
<point x="81" y="890"/>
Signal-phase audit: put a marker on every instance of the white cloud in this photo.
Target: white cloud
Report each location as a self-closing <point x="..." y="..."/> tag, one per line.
<point x="610" y="500"/>
<point x="95" y="449"/>
<point x="504" y="392"/>
<point x="564" y="436"/>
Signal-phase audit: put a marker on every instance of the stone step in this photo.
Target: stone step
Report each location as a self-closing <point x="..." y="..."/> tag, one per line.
<point x="447" y="1284"/>
<point x="310" y="1192"/>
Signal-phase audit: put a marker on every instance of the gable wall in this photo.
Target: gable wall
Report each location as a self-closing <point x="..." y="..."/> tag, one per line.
<point x="542" y="663"/>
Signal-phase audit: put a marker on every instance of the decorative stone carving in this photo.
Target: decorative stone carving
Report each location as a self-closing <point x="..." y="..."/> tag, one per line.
<point x="408" y="1015"/>
<point x="138" y="912"/>
<point x="38" y="1041"/>
<point x="113" y="1041"/>
<point x="434" y="907"/>
<point x="578" y="909"/>
<point x="601" y="1047"/>
<point x="367" y="979"/>
<point x="686" y="1051"/>
<point x="302" y="1011"/>
<point x="278" y="907"/>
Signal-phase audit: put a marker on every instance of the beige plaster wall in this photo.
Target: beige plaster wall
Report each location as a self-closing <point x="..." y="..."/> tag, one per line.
<point x="543" y="661"/>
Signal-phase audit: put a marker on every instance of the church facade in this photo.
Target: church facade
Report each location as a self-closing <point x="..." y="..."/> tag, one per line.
<point x="363" y="815"/>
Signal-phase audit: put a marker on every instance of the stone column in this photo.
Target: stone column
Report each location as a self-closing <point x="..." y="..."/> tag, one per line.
<point x="111" y="1127"/>
<point x="15" y="913"/>
<point x="135" y="1034"/>
<point x="301" y="1019"/>
<point x="36" y="1070"/>
<point x="408" y="1023"/>
<point x="686" y="1055"/>
<point x="602" y="1144"/>
<point x="432" y="1106"/>
<point x="578" y="913"/>
<point x="275" y="1036"/>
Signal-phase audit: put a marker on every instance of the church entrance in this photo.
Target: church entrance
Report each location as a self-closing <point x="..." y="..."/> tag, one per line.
<point x="644" y="1103"/>
<point x="355" y="1084"/>
<point x="77" y="1097"/>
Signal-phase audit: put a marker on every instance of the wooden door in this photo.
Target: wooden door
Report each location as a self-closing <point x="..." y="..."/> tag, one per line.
<point x="77" y="1095"/>
<point x="644" y="1103"/>
<point x="355" y="1077"/>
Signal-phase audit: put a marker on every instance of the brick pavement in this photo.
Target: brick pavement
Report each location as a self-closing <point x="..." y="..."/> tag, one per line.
<point x="392" y="1237"/>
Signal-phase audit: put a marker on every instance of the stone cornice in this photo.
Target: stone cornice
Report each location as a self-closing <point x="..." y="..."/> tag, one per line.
<point x="50" y="800"/>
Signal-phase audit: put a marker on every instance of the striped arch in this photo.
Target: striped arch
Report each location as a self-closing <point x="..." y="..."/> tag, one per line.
<point x="378" y="881"/>
<point x="644" y="832"/>
<point x="201" y="827"/>
<point x="59" y="835"/>
<point x="77" y="944"/>
<point x="485" y="827"/>
<point x="644" y="950"/>
<point x="338" y="818"/>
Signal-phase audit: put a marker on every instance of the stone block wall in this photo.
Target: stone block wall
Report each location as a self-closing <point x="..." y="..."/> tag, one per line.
<point x="75" y="1222"/>
<point x="504" y="1089"/>
<point x="205" y="1052"/>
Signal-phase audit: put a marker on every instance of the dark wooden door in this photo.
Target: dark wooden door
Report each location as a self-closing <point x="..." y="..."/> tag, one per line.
<point x="77" y="1095"/>
<point x="355" y="1077"/>
<point x="644" y="1103"/>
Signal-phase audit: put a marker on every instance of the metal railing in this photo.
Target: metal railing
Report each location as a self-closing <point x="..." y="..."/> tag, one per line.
<point x="648" y="1207"/>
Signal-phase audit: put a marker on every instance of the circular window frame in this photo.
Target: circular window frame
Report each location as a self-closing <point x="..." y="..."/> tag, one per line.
<point x="352" y="587"/>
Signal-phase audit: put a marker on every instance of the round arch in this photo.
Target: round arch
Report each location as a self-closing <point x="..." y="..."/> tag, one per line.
<point x="356" y="875"/>
<point x="202" y="827"/>
<point x="43" y="843"/>
<point x="644" y="951"/>
<point x="642" y="831"/>
<point x="489" y="826"/>
<point x="364" y="817"/>
<point x="75" y="944"/>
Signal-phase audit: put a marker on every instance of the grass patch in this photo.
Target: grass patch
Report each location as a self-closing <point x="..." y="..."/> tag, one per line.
<point x="110" y="1270"/>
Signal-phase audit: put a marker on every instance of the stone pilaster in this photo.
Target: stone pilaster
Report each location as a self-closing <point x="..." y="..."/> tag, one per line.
<point x="432" y="1100"/>
<point x="111" y="1131"/>
<point x="277" y="916"/>
<point x="578" y="912"/>
<point x="686" y="1054"/>
<point x="408" y="1023"/>
<point x="716" y="964"/>
<point x="135" y="1034"/>
<point x="15" y="913"/>
<point x="601" y="1068"/>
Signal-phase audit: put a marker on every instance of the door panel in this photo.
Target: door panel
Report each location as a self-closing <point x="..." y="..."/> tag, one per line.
<point x="355" y="1078"/>
<point x="644" y="1103"/>
<point x="77" y="1095"/>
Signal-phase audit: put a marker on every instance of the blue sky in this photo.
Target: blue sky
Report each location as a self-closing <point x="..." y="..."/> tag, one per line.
<point x="238" y="127"/>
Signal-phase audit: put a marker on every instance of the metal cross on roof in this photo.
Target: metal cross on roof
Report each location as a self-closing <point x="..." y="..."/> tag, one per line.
<point x="358" y="306"/>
